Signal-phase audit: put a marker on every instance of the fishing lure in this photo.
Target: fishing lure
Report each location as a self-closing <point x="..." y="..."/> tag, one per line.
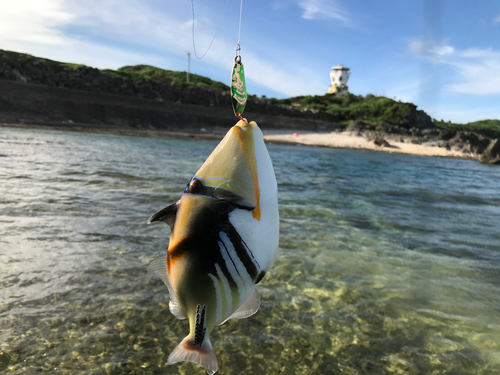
<point x="238" y="85"/>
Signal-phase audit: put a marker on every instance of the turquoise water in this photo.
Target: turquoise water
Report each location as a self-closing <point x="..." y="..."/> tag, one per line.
<point x="389" y="264"/>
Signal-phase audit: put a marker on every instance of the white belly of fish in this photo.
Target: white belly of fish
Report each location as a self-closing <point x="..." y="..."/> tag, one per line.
<point x="261" y="236"/>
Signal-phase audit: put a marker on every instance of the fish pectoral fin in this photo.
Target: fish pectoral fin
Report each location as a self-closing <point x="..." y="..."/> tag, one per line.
<point x="158" y="267"/>
<point x="228" y="204"/>
<point x="166" y="215"/>
<point x="248" y="308"/>
<point x="241" y="203"/>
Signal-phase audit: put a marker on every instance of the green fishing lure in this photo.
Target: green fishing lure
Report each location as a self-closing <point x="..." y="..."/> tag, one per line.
<point x="238" y="87"/>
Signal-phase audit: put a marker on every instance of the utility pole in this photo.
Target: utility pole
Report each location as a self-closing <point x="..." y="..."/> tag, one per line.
<point x="189" y="63"/>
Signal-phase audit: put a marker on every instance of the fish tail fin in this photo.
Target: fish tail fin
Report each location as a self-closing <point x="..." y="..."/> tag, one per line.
<point x="203" y="355"/>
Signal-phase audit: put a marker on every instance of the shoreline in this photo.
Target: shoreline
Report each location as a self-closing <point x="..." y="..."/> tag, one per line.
<point x="356" y="142"/>
<point x="331" y="139"/>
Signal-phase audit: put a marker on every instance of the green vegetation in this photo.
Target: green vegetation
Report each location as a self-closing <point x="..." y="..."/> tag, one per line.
<point x="132" y="73"/>
<point x="68" y="65"/>
<point x="373" y="109"/>
<point x="168" y="77"/>
<point x="487" y="128"/>
<point x="348" y="106"/>
<point x="55" y="66"/>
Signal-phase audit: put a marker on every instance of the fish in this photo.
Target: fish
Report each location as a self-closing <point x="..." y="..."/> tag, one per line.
<point x="224" y="239"/>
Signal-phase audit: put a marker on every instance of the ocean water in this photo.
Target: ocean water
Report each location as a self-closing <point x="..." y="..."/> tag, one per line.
<point x="389" y="264"/>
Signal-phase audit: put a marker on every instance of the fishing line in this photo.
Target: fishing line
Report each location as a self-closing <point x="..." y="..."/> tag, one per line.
<point x="239" y="31"/>
<point x="216" y="33"/>
<point x="238" y="85"/>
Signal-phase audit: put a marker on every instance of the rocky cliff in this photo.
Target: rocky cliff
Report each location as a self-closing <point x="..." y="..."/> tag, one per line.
<point x="477" y="146"/>
<point x="28" y="69"/>
<point x="34" y="90"/>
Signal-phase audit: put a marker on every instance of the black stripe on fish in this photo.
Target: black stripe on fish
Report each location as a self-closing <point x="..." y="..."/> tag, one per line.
<point x="230" y="257"/>
<point x="242" y="253"/>
<point x="204" y="253"/>
<point x="260" y="277"/>
<point x="203" y="249"/>
<point x="219" y="259"/>
<point x="250" y="252"/>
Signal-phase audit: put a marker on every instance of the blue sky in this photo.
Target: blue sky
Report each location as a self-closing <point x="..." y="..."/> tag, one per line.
<point x="442" y="55"/>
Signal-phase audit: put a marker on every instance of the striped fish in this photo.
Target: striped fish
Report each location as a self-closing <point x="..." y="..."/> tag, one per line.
<point x="224" y="238"/>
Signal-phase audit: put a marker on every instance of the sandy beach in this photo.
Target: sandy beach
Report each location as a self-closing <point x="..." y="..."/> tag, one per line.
<point x="346" y="140"/>
<point x="333" y="139"/>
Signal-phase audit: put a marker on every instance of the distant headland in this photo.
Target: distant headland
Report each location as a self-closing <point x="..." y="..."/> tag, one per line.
<point x="38" y="91"/>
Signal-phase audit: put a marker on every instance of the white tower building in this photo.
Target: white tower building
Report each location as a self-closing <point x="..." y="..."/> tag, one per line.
<point x="339" y="76"/>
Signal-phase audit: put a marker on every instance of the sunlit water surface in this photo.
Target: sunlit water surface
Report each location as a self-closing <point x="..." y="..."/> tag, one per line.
<point x="389" y="264"/>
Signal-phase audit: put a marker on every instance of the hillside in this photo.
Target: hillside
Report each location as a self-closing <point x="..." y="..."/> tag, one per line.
<point x="488" y="128"/>
<point x="13" y="60"/>
<point x="149" y="82"/>
<point x="168" y="77"/>
<point x="371" y="109"/>
<point x="375" y="109"/>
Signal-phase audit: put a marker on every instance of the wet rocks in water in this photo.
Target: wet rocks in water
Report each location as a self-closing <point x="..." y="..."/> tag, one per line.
<point x="491" y="154"/>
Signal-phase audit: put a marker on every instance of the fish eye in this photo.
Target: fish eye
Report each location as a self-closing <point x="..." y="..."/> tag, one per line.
<point x="195" y="186"/>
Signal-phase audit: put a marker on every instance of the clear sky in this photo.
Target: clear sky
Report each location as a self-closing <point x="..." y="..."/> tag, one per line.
<point x="442" y="55"/>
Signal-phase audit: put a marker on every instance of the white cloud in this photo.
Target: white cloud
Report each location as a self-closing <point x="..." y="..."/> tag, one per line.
<point x="477" y="75"/>
<point x="37" y="27"/>
<point x="428" y="47"/>
<point x="477" y="71"/>
<point x="417" y="47"/>
<point x="324" y="9"/>
<point x="496" y="20"/>
<point x="114" y="33"/>
<point x="442" y="50"/>
<point x="33" y="21"/>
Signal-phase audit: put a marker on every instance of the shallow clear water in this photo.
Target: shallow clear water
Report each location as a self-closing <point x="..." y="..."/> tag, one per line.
<point x="389" y="264"/>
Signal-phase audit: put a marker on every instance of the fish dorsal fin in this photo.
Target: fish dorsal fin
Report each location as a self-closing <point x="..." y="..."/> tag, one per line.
<point x="248" y="308"/>
<point x="166" y="215"/>
<point x="158" y="266"/>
